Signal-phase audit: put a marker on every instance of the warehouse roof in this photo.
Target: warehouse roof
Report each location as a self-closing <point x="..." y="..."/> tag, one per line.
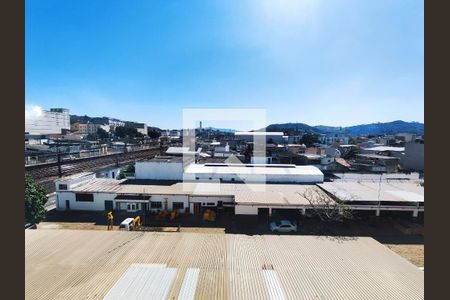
<point x="385" y="148"/>
<point x="181" y="150"/>
<point x="397" y="191"/>
<point x="253" y="169"/>
<point x="263" y="194"/>
<point x="117" y="264"/>
<point x="74" y="176"/>
<point x="376" y="177"/>
<point x="99" y="185"/>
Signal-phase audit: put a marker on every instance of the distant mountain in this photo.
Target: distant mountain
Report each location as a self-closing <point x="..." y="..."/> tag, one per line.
<point x="365" y="129"/>
<point x="292" y="127"/>
<point x="102" y="120"/>
<point x="387" y="128"/>
<point x="84" y="119"/>
<point x="329" y="129"/>
<point x="218" y="129"/>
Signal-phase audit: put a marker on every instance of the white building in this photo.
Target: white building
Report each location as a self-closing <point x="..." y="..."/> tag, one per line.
<point x="48" y="122"/>
<point x="171" y="168"/>
<point x="114" y="123"/>
<point x="160" y="168"/>
<point x="335" y="138"/>
<point x="84" y="192"/>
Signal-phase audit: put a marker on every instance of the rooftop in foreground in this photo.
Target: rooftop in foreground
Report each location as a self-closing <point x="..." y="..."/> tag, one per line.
<point x="71" y="264"/>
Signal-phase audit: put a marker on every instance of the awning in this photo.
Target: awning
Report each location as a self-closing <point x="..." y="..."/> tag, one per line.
<point x="133" y="198"/>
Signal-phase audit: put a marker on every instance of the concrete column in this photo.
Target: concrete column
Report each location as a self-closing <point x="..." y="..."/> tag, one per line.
<point x="377" y="212"/>
<point x="303" y="211"/>
<point x="270" y="211"/>
<point x="415" y="213"/>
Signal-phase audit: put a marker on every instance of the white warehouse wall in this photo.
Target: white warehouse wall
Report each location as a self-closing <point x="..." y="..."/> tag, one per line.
<point x="245" y="210"/>
<point x="159" y="170"/>
<point x="170" y="200"/>
<point x="98" y="204"/>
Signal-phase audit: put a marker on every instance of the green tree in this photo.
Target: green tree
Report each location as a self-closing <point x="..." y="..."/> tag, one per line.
<point x="35" y="198"/>
<point x="153" y="133"/>
<point x="127" y="132"/>
<point x="92" y="137"/>
<point x="102" y="134"/>
<point x="309" y="139"/>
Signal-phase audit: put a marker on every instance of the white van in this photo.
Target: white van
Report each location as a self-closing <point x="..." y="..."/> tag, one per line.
<point x="126" y="224"/>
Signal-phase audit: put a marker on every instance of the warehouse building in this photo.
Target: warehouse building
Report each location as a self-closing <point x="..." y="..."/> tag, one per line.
<point x="83" y="264"/>
<point x="177" y="168"/>
<point x="84" y="192"/>
<point x="100" y="194"/>
<point x="393" y="195"/>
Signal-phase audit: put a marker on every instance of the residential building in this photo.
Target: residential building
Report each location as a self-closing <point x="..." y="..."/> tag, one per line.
<point x="48" y="122"/>
<point x="114" y="123"/>
<point x="140" y="127"/>
<point x="268" y="137"/>
<point x="376" y="163"/>
<point x="329" y="139"/>
<point x="89" y="128"/>
<point x="414" y="156"/>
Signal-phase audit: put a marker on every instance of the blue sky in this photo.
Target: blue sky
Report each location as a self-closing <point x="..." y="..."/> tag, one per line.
<point x="318" y="62"/>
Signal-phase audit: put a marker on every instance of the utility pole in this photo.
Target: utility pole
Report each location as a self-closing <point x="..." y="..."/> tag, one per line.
<point x="58" y="154"/>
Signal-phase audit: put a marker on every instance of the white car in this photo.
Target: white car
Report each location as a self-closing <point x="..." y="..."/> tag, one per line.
<point x="126" y="224"/>
<point x="283" y="226"/>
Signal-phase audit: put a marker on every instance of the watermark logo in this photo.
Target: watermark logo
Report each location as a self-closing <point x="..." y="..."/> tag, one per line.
<point x="251" y="175"/>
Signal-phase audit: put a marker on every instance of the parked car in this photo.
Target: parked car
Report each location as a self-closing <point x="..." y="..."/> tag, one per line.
<point x="126" y="224"/>
<point x="30" y="226"/>
<point x="283" y="226"/>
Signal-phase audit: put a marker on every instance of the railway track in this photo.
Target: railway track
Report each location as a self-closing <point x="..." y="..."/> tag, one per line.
<point x="46" y="174"/>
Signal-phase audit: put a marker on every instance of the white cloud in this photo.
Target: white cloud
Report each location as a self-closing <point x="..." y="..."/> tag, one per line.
<point x="33" y="112"/>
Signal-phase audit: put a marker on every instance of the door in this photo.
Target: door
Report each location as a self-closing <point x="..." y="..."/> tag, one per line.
<point x="67" y="205"/>
<point x="196" y="208"/>
<point x="108" y="205"/>
<point x="263" y="215"/>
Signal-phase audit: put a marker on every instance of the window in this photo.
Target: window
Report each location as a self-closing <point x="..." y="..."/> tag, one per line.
<point x="62" y="187"/>
<point x="156" y="204"/>
<point x="178" y="205"/>
<point x="232" y="179"/>
<point x="132" y="206"/>
<point x="211" y="203"/>
<point x="210" y="178"/>
<point x="196" y="178"/>
<point x="84" y="197"/>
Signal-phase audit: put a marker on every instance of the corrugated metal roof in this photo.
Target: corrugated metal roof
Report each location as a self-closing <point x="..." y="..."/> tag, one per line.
<point x="397" y="191"/>
<point x="74" y="176"/>
<point x="100" y="185"/>
<point x="143" y="282"/>
<point x="76" y="264"/>
<point x="189" y="286"/>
